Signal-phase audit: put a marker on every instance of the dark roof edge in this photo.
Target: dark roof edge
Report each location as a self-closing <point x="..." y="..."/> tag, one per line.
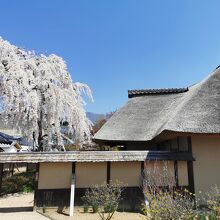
<point x="145" y="92"/>
<point x="118" y="142"/>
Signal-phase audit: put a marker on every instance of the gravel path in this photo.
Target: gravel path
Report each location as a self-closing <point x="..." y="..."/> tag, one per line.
<point x="14" y="207"/>
<point x="17" y="200"/>
<point x="22" y="216"/>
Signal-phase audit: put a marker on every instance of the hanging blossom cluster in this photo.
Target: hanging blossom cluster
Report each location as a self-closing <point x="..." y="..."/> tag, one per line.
<point x="37" y="95"/>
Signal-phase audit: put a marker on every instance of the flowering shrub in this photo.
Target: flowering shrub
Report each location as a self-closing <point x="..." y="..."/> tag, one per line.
<point x="165" y="202"/>
<point x="213" y="200"/>
<point x="170" y="205"/>
<point x="156" y="178"/>
<point x="104" y="198"/>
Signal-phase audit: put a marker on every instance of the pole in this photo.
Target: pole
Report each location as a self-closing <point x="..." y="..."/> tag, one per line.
<point x="72" y="195"/>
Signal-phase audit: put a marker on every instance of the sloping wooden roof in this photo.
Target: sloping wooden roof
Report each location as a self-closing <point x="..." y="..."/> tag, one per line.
<point x="196" y="110"/>
<point x="92" y="156"/>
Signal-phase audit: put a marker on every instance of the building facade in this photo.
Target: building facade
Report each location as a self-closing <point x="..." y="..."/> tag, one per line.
<point x="179" y="128"/>
<point x="183" y="120"/>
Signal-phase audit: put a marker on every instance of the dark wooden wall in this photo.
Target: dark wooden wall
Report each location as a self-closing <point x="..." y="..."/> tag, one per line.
<point x="132" y="198"/>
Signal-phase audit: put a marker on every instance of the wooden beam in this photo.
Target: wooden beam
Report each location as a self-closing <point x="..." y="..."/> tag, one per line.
<point x="72" y="191"/>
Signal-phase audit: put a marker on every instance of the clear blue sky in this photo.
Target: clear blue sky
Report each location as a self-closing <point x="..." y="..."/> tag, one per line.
<point x="116" y="45"/>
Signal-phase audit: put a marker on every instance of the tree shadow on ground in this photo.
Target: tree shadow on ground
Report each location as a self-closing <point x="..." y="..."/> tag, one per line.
<point x="15" y="209"/>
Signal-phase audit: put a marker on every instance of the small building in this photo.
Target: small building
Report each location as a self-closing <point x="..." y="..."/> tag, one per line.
<point x="9" y="148"/>
<point x="12" y="142"/>
<point x="56" y="172"/>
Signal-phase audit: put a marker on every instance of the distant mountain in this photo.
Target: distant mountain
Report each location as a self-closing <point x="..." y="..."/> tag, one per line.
<point x="94" y="116"/>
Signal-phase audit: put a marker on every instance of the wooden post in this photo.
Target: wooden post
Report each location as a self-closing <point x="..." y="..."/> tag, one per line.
<point x="12" y="170"/>
<point x="72" y="190"/>
<point x="176" y="173"/>
<point x="1" y="175"/>
<point x="72" y="195"/>
<point x="142" y="176"/>
<point x="108" y="172"/>
<point x="27" y="169"/>
<point x="142" y="168"/>
<point x="36" y="185"/>
<point x="190" y="168"/>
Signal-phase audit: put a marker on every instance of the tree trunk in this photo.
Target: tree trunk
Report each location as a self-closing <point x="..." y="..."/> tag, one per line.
<point x="40" y="132"/>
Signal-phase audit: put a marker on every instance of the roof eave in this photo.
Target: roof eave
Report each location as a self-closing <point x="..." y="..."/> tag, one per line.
<point x="92" y="156"/>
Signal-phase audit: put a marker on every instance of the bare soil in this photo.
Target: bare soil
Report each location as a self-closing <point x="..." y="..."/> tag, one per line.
<point x="79" y="215"/>
<point x="22" y="216"/>
<point x="19" y="206"/>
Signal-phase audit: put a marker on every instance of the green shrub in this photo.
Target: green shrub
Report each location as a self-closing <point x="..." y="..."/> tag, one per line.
<point x="21" y="182"/>
<point x="202" y="217"/>
<point x="27" y="189"/>
<point x="72" y="147"/>
<point x="95" y="208"/>
<point x="213" y="217"/>
<point x="85" y="208"/>
<point x="44" y="209"/>
<point x="109" y="209"/>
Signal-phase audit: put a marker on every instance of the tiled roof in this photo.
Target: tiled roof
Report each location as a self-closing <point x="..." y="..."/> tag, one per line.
<point x="143" y="92"/>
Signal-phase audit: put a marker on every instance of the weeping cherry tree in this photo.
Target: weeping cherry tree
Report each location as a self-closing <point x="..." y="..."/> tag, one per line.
<point x="37" y="96"/>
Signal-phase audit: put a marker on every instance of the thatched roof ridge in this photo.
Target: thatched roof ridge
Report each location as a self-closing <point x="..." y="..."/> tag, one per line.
<point x="145" y="117"/>
<point x="142" y="92"/>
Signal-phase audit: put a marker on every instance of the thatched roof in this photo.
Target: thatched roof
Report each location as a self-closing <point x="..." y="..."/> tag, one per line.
<point x="92" y="156"/>
<point x="193" y="110"/>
